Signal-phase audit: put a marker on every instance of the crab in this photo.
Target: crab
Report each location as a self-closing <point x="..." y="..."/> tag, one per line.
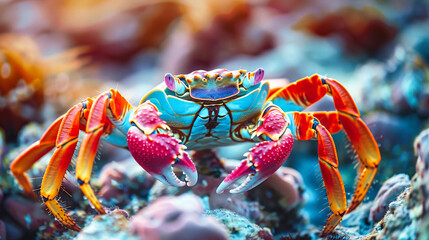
<point x="202" y="110"/>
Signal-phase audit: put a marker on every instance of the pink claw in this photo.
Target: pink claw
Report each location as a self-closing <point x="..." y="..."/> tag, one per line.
<point x="158" y="153"/>
<point x="262" y="161"/>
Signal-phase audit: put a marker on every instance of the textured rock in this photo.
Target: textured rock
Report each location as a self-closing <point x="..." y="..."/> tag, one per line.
<point x="176" y="218"/>
<point x="421" y="147"/>
<point x="240" y="227"/>
<point x="121" y="178"/>
<point x="30" y="215"/>
<point x="112" y="226"/>
<point x="407" y="217"/>
<point x="2" y="230"/>
<point x="387" y="194"/>
<point x="288" y="183"/>
<point x="236" y="203"/>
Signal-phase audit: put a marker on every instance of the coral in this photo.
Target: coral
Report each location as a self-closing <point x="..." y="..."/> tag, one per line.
<point x="176" y="218"/>
<point x="388" y="193"/>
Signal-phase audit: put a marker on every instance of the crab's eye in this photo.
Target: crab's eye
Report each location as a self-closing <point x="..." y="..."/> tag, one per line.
<point x="174" y="84"/>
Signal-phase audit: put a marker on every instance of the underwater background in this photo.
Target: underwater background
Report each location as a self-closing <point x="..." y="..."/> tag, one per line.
<point x="54" y="54"/>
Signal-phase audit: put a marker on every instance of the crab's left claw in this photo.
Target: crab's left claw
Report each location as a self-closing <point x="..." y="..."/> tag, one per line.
<point x="157" y="152"/>
<point x="262" y="161"/>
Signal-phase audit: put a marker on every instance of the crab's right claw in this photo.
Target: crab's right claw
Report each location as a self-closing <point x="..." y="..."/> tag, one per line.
<point x="158" y="153"/>
<point x="262" y="161"/>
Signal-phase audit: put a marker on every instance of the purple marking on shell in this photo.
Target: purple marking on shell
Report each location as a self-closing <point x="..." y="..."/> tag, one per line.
<point x="169" y="81"/>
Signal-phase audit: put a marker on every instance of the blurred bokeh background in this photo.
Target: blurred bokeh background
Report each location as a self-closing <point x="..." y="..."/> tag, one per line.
<point x="53" y="54"/>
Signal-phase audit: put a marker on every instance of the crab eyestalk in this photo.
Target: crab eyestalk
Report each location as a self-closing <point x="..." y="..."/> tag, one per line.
<point x="253" y="78"/>
<point x="157" y="153"/>
<point x="262" y="161"/>
<point x="174" y="84"/>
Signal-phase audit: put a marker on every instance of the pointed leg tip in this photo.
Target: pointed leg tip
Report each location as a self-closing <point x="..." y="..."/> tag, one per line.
<point x="75" y="228"/>
<point x="351" y="208"/>
<point x="325" y="232"/>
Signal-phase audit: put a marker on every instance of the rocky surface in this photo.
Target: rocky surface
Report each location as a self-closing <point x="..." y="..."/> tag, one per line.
<point x="377" y="50"/>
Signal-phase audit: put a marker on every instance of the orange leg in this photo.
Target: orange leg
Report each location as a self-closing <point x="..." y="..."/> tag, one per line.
<point x="91" y="116"/>
<point x="66" y="143"/>
<point x="110" y="103"/>
<point x="94" y="130"/>
<point x="33" y="154"/>
<point x="330" y="120"/>
<point x="308" y="127"/>
<point x="309" y="90"/>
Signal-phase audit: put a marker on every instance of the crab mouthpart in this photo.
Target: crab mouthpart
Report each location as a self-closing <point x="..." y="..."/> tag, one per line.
<point x="158" y="153"/>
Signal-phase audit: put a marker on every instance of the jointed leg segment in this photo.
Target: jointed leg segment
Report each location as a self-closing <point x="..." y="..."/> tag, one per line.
<point x="309" y="90"/>
<point x="94" y="129"/>
<point x="308" y="127"/>
<point x="91" y="116"/>
<point x="66" y="143"/>
<point x="33" y="154"/>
